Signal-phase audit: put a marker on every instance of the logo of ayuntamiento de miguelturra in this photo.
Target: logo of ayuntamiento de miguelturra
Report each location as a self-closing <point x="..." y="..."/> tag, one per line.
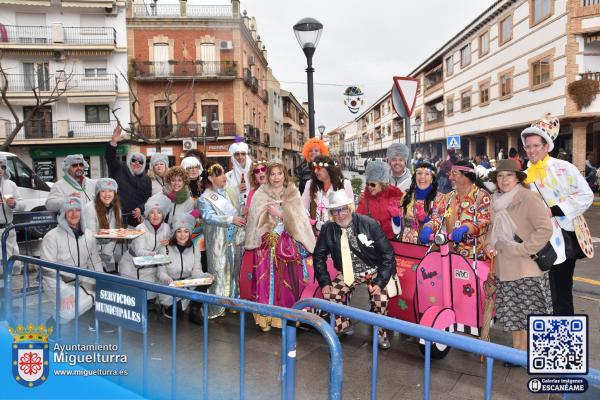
<point x="30" y="354"/>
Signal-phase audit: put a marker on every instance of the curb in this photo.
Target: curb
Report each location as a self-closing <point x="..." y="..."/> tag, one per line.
<point x="596" y="202"/>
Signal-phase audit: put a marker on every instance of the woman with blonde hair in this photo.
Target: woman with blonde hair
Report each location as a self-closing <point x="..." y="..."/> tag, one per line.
<point x="281" y="240"/>
<point x="258" y="177"/>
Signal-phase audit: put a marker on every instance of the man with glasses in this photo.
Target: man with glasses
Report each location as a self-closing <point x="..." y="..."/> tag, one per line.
<point x="74" y="183"/>
<point x="135" y="187"/>
<point x="567" y="196"/>
<point x="362" y="254"/>
<point x="238" y="177"/>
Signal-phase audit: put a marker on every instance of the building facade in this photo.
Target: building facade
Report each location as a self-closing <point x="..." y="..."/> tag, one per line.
<point x="73" y="52"/>
<point x="275" y="120"/>
<point x="295" y="130"/>
<point x="515" y="62"/>
<point x="349" y="145"/>
<point x="378" y="127"/>
<point x="199" y="74"/>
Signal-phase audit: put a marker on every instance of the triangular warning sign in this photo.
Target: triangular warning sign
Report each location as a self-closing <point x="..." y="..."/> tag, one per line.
<point x="408" y="91"/>
<point x="453" y="143"/>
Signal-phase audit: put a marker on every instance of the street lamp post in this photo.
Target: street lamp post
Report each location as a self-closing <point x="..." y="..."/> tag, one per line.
<point x="321" y="130"/>
<point x="308" y="32"/>
<point x="416" y="129"/>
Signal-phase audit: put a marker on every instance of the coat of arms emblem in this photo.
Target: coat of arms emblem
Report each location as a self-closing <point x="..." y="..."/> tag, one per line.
<point x="30" y="354"/>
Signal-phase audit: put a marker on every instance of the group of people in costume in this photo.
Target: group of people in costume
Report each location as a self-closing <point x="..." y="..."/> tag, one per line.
<point x="253" y="224"/>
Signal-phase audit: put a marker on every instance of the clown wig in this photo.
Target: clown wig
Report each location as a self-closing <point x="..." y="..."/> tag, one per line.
<point x="314" y="142"/>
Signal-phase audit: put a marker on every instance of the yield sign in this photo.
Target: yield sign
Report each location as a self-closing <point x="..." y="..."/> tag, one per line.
<point x="404" y="90"/>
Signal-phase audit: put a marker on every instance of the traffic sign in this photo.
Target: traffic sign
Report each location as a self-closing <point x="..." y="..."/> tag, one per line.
<point x="453" y="142"/>
<point x="404" y="95"/>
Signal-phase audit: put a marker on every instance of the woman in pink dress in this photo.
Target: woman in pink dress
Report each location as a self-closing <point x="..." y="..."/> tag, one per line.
<point x="280" y="236"/>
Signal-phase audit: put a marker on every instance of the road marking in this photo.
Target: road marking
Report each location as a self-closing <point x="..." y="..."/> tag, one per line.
<point x="586" y="280"/>
<point x="595" y="240"/>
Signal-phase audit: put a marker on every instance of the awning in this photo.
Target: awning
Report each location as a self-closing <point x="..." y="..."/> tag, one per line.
<point x="63" y="151"/>
<point x="88" y="3"/>
<point x="42" y="3"/>
<point x="215" y="154"/>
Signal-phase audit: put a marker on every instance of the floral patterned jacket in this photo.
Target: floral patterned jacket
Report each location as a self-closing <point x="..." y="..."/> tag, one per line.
<point x="472" y="210"/>
<point x="412" y="221"/>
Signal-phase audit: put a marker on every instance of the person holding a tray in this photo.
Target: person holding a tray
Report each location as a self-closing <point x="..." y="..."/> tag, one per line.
<point x="184" y="264"/>
<point x="280" y="239"/>
<point x="153" y="241"/>
<point x="223" y="232"/>
<point x="105" y="213"/>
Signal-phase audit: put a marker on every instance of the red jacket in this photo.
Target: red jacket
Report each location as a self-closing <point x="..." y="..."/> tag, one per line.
<point x="382" y="207"/>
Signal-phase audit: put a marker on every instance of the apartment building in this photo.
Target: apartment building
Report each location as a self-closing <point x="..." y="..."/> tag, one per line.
<point x="274" y="135"/>
<point x="515" y="62"/>
<point x="378" y="127"/>
<point x="349" y="150"/>
<point x="199" y="74"/>
<point x="295" y="130"/>
<point x="77" y="48"/>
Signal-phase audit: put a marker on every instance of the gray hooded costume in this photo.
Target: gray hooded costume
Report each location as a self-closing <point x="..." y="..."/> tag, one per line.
<point x="8" y="189"/>
<point x="68" y="185"/>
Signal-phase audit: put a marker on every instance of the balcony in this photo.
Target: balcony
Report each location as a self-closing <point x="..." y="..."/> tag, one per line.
<point x="595" y="76"/>
<point x="35" y="130"/>
<point x="434" y="117"/>
<point x="184" y="70"/>
<point x="153" y="10"/>
<point x="189" y="130"/>
<point x="254" y="85"/>
<point x="265" y="96"/>
<point x="252" y="134"/>
<point x="85" y="129"/>
<point x="57" y="37"/>
<point x="434" y="79"/>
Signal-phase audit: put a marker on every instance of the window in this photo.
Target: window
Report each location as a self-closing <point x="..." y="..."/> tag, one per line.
<point x="484" y="92"/>
<point x="161" y="59"/>
<point x="505" y="84"/>
<point x="540" y="70"/>
<point x="465" y="55"/>
<point x="465" y="100"/>
<point x="449" y="105"/>
<point x="505" y="29"/>
<point x="539" y="10"/>
<point x="97" y="114"/>
<point x="95" y="72"/>
<point x="449" y="65"/>
<point x="484" y="43"/>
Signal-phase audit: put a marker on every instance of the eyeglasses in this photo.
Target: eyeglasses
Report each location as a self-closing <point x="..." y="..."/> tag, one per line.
<point x="259" y="169"/>
<point x="239" y="154"/>
<point x="338" y="211"/>
<point x="372" y="184"/>
<point x="77" y="165"/>
<point x="136" y="161"/>
<point x="194" y="167"/>
<point x="3" y="167"/>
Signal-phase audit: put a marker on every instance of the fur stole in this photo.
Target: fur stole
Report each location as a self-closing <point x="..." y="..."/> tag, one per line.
<point x="295" y="219"/>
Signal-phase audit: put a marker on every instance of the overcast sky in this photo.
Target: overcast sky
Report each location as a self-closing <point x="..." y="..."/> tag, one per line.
<point x="363" y="43"/>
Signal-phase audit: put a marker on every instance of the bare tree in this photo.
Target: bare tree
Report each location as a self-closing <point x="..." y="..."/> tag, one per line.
<point x="44" y="96"/>
<point x="180" y="108"/>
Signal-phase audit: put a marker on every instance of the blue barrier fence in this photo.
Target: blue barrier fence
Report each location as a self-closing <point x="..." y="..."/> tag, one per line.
<point x="491" y="351"/>
<point x="290" y="317"/>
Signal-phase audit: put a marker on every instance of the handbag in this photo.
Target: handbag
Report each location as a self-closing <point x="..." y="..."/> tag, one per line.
<point x="545" y="258"/>
<point x="393" y="287"/>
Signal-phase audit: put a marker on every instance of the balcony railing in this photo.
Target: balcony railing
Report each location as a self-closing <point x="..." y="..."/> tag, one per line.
<point x="72" y="83"/>
<point x="36" y="129"/>
<point x="190" y="130"/>
<point x="591" y="75"/>
<point x="254" y="85"/>
<point x="89" y="129"/>
<point x="247" y="77"/>
<point x="590" y="2"/>
<point x="153" y="10"/>
<point x="77" y="35"/>
<point x="100" y="83"/>
<point x="185" y="69"/>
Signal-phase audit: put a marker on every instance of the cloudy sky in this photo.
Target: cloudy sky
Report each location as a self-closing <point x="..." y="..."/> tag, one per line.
<point x="363" y="43"/>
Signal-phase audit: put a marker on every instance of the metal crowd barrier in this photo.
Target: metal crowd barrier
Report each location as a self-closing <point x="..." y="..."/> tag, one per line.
<point x="491" y="351"/>
<point x="290" y="317"/>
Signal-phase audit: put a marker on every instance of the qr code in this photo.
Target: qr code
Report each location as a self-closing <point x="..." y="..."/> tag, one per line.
<point x="558" y="344"/>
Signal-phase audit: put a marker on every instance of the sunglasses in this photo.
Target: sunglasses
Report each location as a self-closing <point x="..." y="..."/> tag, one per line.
<point x="337" y="211"/>
<point x="77" y="165"/>
<point x="3" y="167"/>
<point x="239" y="154"/>
<point x="372" y="184"/>
<point x="136" y="161"/>
<point x="259" y="169"/>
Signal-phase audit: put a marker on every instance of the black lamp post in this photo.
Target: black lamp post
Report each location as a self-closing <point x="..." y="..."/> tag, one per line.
<point x="308" y="32"/>
<point x="417" y="129"/>
<point x="321" y="130"/>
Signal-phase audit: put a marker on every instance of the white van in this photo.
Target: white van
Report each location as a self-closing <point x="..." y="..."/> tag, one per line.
<point x="32" y="189"/>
